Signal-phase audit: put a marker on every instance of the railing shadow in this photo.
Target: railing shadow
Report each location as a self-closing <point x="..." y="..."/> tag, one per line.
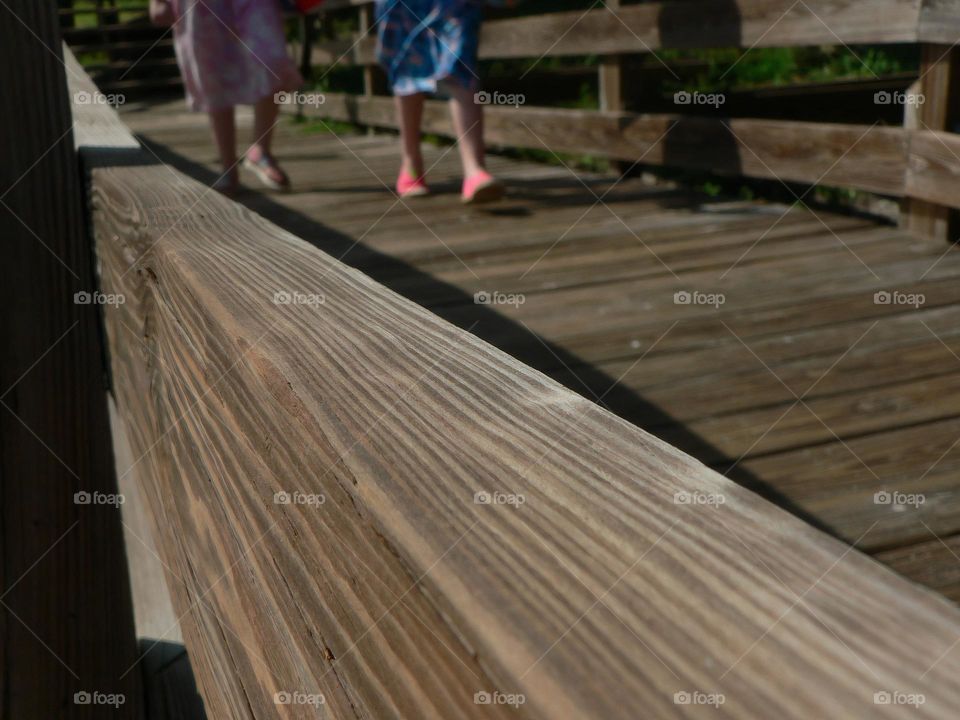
<point x="169" y="688"/>
<point x="691" y="142"/>
<point x="485" y="322"/>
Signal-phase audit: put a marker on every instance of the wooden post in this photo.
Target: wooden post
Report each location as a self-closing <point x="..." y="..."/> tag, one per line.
<point x="374" y="81"/>
<point x="939" y="74"/>
<point x="611" y="83"/>
<point x="66" y="20"/>
<point x="611" y="76"/>
<point x="66" y="625"/>
<point x="308" y="30"/>
<point x="610" y="87"/>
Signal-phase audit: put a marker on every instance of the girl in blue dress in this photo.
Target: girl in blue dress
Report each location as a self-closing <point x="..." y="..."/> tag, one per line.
<point x="430" y="46"/>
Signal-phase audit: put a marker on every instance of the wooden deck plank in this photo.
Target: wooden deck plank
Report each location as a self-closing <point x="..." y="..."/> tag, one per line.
<point x="920" y="459"/>
<point x="934" y="563"/>
<point x="737" y="382"/>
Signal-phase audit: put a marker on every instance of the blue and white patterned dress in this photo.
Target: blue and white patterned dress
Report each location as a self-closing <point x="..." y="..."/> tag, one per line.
<point x="423" y="44"/>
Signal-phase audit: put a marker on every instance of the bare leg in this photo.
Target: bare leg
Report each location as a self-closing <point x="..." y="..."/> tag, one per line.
<point x="468" y="124"/>
<point x="410" y="113"/>
<point x="225" y="136"/>
<point x="265" y="114"/>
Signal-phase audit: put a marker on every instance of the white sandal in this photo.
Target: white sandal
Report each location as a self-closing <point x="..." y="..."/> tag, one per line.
<point x="260" y="168"/>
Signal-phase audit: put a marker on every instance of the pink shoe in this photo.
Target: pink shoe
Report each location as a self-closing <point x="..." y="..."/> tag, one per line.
<point x="410" y="186"/>
<point x="481" y="187"/>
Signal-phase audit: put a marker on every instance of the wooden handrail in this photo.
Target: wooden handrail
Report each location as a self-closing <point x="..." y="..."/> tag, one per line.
<point x="690" y="24"/>
<point x="257" y="376"/>
<point x="920" y="164"/>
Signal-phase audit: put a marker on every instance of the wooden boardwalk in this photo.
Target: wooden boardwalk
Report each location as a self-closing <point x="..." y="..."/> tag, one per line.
<point x="802" y="384"/>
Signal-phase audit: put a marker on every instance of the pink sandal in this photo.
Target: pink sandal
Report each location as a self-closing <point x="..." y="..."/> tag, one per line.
<point x="481" y="187"/>
<point x="410" y="186"/>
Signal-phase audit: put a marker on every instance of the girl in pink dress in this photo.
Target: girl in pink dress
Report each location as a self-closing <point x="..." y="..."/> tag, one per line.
<point x="232" y="52"/>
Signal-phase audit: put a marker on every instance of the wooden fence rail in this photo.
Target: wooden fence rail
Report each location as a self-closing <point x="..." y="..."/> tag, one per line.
<point x="919" y="162"/>
<point x="359" y="502"/>
<point x="654" y="26"/>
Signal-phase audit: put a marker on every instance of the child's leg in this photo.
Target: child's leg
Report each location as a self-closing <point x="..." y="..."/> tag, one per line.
<point x="410" y="113"/>
<point x="468" y="124"/>
<point x="259" y="159"/>
<point x="265" y="115"/>
<point x="225" y="136"/>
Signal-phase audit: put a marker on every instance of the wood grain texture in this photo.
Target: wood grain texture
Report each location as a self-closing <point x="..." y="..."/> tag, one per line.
<point x="934" y="167"/>
<point x="934" y="562"/>
<point x="94" y="128"/>
<point x="938" y="84"/>
<point x="398" y="419"/>
<point x="938" y="21"/>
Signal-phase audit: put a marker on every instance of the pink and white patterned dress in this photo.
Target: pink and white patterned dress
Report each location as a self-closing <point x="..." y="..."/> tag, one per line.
<point x="231" y="52"/>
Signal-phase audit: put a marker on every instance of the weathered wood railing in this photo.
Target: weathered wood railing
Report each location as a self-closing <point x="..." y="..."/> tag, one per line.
<point x="919" y="162"/>
<point x="359" y="504"/>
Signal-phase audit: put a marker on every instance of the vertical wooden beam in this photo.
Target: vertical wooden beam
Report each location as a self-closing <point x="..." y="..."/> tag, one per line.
<point x="611" y="76"/>
<point x="66" y="21"/>
<point x="66" y="625"/>
<point x="611" y="83"/>
<point x="939" y="75"/>
<point x="610" y="86"/>
<point x="374" y="82"/>
<point x="308" y="30"/>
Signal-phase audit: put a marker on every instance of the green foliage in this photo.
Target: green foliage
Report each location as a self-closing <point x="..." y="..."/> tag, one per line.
<point x="129" y="10"/>
<point x="728" y="68"/>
